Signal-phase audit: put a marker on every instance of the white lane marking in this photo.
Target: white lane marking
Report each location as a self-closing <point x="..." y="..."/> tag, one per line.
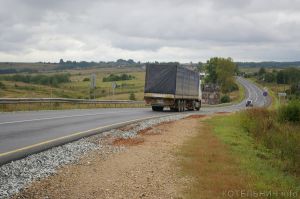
<point x="256" y="96"/>
<point x="81" y="133"/>
<point x="61" y="117"/>
<point x="248" y="90"/>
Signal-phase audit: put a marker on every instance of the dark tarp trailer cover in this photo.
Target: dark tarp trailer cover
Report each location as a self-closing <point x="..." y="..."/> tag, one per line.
<point x="171" y="79"/>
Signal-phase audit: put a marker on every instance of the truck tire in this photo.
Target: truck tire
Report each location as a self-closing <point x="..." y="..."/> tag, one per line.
<point x="180" y="105"/>
<point x="198" y="107"/>
<point x="157" y="108"/>
<point x="174" y="109"/>
<point x="192" y="107"/>
<point x="177" y="105"/>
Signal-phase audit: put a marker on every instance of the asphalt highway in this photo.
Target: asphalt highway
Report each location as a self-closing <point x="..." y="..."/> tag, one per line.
<point x="20" y="130"/>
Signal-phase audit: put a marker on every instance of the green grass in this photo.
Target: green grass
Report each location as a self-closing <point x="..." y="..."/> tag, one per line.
<point x="241" y="92"/>
<point x="78" y="88"/>
<point x="209" y="165"/>
<point x="254" y="158"/>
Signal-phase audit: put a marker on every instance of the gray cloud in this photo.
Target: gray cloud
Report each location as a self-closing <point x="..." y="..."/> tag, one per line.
<point x="147" y="30"/>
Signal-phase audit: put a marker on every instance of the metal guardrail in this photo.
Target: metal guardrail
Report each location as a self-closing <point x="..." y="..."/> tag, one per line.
<point x="65" y="100"/>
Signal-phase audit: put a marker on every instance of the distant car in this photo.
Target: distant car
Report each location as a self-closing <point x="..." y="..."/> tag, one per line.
<point x="249" y="103"/>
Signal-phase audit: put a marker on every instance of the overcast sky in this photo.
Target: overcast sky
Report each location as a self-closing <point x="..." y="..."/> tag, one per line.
<point x="149" y="30"/>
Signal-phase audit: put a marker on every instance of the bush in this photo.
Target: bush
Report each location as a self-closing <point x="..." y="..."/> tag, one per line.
<point x="233" y="87"/>
<point x="282" y="138"/>
<point x="2" y="86"/>
<point x="113" y="77"/>
<point x="257" y="121"/>
<point x="52" y="80"/>
<point x="86" y="79"/>
<point x="290" y="112"/>
<point x="132" y="96"/>
<point x="225" y="99"/>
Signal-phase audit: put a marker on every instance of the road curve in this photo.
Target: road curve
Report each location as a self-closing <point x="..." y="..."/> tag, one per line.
<point x="21" y="132"/>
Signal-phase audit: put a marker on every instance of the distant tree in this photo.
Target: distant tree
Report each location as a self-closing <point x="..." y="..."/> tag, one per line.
<point x="200" y="67"/>
<point x="130" y="61"/>
<point x="113" y="77"/>
<point x="261" y="71"/>
<point x="61" y="61"/>
<point x="52" y="80"/>
<point x="221" y="71"/>
<point x="288" y="76"/>
<point x="211" y="68"/>
<point x="270" y="77"/>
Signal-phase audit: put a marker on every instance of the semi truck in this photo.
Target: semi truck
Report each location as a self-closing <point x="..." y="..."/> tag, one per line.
<point x="173" y="86"/>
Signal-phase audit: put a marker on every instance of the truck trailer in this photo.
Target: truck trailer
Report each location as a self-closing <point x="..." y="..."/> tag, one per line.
<point x="173" y="86"/>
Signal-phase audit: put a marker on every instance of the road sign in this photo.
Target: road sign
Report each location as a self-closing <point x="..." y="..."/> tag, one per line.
<point x="114" y="85"/>
<point x="93" y="81"/>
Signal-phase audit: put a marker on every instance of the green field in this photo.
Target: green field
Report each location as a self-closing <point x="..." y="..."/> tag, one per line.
<point x="78" y="88"/>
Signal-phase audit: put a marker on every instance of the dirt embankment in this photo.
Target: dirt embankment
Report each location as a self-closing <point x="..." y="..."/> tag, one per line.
<point x="180" y="159"/>
<point x="148" y="168"/>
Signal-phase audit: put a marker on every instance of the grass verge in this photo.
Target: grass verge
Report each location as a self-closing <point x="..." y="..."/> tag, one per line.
<point x="61" y="106"/>
<point x="223" y="159"/>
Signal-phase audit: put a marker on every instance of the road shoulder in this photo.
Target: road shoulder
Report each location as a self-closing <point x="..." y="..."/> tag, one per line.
<point x="147" y="167"/>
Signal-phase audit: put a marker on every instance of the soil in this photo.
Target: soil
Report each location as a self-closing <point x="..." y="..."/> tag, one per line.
<point x="179" y="159"/>
<point x="147" y="168"/>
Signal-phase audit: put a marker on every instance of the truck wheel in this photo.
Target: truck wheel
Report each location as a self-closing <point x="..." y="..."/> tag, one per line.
<point x="157" y="108"/>
<point x="198" y="107"/>
<point x="180" y="106"/>
<point x="173" y="109"/>
<point x="192" y="108"/>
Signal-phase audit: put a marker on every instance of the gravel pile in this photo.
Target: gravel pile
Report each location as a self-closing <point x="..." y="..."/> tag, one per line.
<point x="16" y="175"/>
<point x="141" y="126"/>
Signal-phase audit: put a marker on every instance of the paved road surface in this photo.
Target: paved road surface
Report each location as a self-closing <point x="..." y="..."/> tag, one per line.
<point x="22" y="129"/>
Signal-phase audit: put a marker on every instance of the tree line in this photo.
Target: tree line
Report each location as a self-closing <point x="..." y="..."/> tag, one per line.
<point x="51" y="80"/>
<point x="113" y="77"/>
<point x="290" y="76"/>
<point x="84" y="64"/>
<point x="270" y="64"/>
<point x="12" y="70"/>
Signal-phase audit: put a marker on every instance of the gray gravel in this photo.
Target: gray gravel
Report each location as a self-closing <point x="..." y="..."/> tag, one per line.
<point x="141" y="126"/>
<point x="16" y="175"/>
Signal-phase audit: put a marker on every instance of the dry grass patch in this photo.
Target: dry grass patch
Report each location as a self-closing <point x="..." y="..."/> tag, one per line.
<point x="128" y="141"/>
<point x="195" y="116"/>
<point x="221" y="113"/>
<point x="214" y="170"/>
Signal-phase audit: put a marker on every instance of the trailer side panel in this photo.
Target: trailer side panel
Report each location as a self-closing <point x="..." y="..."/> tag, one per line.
<point x="160" y="79"/>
